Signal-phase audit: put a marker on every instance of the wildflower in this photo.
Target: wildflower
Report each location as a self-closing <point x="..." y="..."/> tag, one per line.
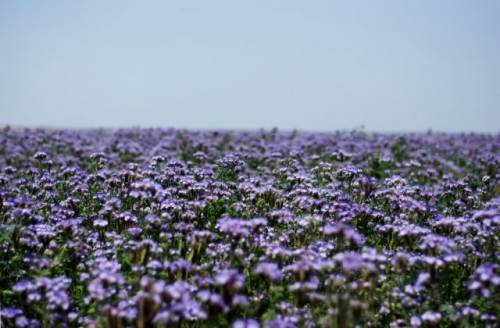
<point x="431" y="317"/>
<point x="246" y="323"/>
<point x="40" y="155"/>
<point x="270" y="271"/>
<point x="230" y="281"/>
<point x="349" y="261"/>
<point x="487" y="276"/>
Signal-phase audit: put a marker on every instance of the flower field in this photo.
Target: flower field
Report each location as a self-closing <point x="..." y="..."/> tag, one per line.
<point x="179" y="228"/>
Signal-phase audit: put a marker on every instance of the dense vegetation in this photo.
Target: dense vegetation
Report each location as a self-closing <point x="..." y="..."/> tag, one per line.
<point x="155" y="228"/>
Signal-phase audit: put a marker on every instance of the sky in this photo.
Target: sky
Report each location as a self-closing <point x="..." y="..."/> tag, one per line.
<point x="384" y="66"/>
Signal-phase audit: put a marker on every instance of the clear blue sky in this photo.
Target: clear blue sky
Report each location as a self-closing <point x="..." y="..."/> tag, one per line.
<point x="312" y="65"/>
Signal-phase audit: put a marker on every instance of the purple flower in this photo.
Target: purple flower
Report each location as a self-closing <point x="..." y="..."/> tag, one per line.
<point x="303" y="286"/>
<point x="230" y="280"/>
<point x="487" y="276"/>
<point x="302" y="269"/>
<point x="10" y="312"/>
<point x="100" y="223"/>
<point x="415" y="321"/>
<point x="23" y="286"/>
<point x="230" y="277"/>
<point x="22" y="321"/>
<point x="435" y="244"/>
<point x="349" y="261"/>
<point x="58" y="299"/>
<point x="487" y="217"/>
<point x="345" y="232"/>
<point x="213" y="300"/>
<point x="246" y="323"/>
<point x="431" y="317"/>
<point x="234" y="227"/>
<point x="270" y="271"/>
<point x="135" y="231"/>
<point x="40" y="155"/>
<point x="166" y="317"/>
<point x="281" y="323"/>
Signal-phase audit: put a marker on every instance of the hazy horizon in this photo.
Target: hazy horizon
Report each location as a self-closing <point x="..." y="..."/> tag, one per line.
<point x="387" y="66"/>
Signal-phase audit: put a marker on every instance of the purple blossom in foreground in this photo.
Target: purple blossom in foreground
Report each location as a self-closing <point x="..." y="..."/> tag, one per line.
<point x="247" y="323"/>
<point x="231" y="278"/>
<point x="349" y="261"/>
<point x="486" y="277"/>
<point x="270" y="271"/>
<point x="431" y="317"/>
<point x="164" y="227"/>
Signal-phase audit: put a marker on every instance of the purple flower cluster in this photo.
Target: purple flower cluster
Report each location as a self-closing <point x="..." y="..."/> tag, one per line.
<point x="175" y="228"/>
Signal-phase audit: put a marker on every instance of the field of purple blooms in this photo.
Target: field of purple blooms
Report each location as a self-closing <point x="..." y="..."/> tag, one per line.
<point x="177" y="228"/>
